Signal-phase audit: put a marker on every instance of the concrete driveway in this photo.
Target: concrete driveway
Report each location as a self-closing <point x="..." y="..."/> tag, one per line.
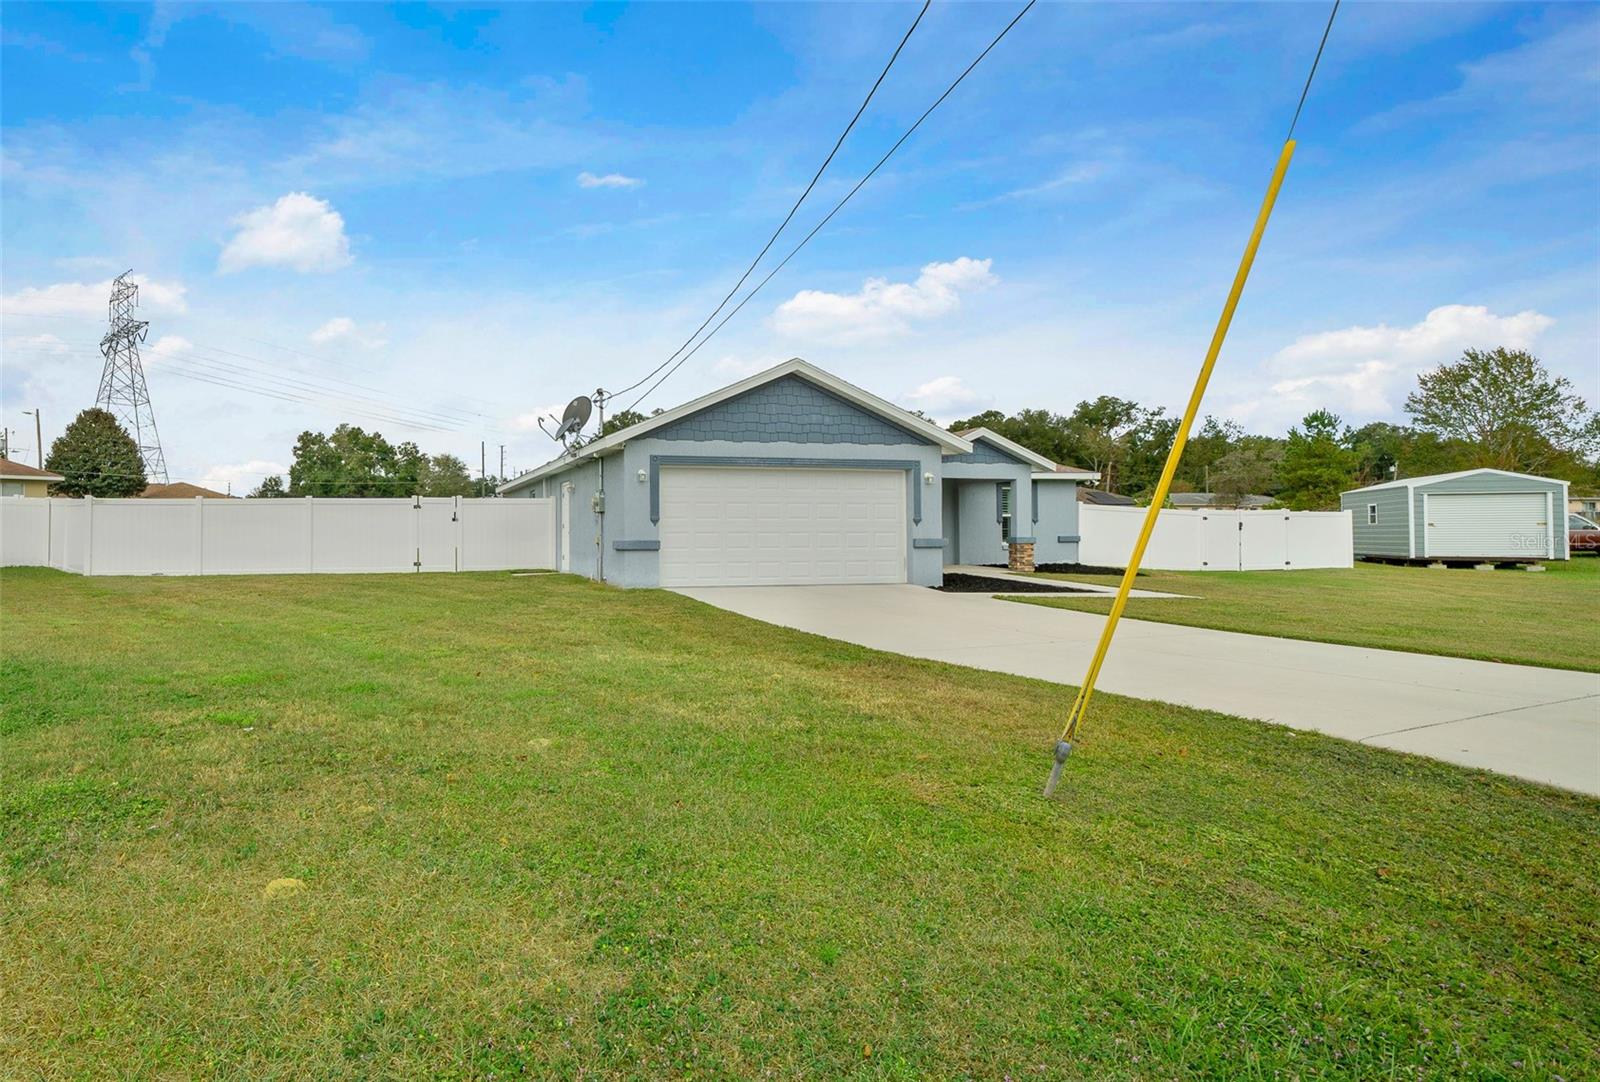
<point x="1541" y="724"/>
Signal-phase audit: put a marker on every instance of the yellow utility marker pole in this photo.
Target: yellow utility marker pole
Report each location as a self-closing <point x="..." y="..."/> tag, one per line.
<point x="1080" y="705"/>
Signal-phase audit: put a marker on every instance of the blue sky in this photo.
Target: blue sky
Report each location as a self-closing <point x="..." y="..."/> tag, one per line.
<point x="440" y="222"/>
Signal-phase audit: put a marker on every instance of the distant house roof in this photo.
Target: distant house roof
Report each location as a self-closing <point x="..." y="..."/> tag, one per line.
<point x="1211" y="499"/>
<point x="180" y="490"/>
<point x="16" y="471"/>
<point x="1413" y="482"/>
<point x="1103" y="498"/>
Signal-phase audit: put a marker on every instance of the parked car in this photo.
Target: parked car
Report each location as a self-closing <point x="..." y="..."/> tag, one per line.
<point x="1583" y="535"/>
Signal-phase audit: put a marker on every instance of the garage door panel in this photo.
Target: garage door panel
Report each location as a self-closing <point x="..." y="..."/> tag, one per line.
<point x="1504" y="524"/>
<point x="781" y="526"/>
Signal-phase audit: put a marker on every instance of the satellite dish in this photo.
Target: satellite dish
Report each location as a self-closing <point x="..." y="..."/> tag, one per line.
<point x="575" y="417"/>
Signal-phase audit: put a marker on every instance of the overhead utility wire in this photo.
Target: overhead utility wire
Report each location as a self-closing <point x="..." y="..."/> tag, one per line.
<point x="792" y="210"/>
<point x="839" y="205"/>
<point x="1180" y="438"/>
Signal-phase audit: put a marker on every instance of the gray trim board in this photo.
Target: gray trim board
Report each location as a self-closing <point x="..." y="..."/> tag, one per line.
<point x="1068" y="539"/>
<point x="912" y="468"/>
<point x="636" y="546"/>
<point x="1024" y="541"/>
<point x="927" y="542"/>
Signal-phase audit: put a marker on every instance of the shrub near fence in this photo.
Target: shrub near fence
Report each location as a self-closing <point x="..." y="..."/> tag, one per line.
<point x="285" y="536"/>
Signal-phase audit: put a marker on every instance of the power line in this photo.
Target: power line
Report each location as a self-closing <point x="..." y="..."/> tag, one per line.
<point x="1312" y="74"/>
<point x="840" y="205"/>
<point x="765" y="248"/>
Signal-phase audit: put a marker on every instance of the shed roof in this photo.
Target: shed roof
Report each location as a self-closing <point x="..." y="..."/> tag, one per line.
<point x="179" y="490"/>
<point x="1428" y="479"/>
<point x="865" y="400"/>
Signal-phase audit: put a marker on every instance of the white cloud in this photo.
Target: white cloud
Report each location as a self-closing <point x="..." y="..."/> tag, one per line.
<point x="242" y="476"/>
<point x="1367" y="371"/>
<point x="736" y="368"/>
<point x="882" y="308"/>
<point x="529" y="422"/>
<point x="92" y="298"/>
<point x="945" y="396"/>
<point x="587" y="179"/>
<point x="165" y="348"/>
<point x="44" y="344"/>
<point x="299" y="231"/>
<point x="344" y="330"/>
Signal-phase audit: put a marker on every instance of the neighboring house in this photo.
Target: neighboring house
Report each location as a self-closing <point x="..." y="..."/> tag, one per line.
<point x="181" y="490"/>
<point x="1468" y="516"/>
<point x="794" y="476"/>
<point x="19" y="480"/>
<point x="1212" y="501"/>
<point x="1102" y="498"/>
<point x="1587" y="505"/>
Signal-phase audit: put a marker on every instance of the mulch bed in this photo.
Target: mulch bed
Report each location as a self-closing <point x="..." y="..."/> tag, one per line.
<point x="959" y="583"/>
<point x="1074" y="569"/>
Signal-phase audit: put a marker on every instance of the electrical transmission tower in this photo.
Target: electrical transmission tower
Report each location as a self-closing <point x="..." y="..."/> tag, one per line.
<point x="122" y="389"/>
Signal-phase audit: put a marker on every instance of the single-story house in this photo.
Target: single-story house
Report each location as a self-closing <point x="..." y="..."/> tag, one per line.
<point x="1587" y="505"/>
<point x="1469" y="515"/>
<point x="19" y="480"/>
<point x="794" y="476"/>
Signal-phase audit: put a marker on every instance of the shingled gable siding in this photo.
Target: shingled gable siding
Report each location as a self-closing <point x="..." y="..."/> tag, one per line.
<point x="789" y="410"/>
<point x="985" y="453"/>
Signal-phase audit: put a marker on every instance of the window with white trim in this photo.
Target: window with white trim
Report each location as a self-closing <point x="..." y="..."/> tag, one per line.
<point x="1372" y="514"/>
<point x="1005" y="513"/>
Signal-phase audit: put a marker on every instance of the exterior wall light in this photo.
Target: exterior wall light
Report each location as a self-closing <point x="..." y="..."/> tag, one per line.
<point x="644" y="476"/>
<point x="927" y="478"/>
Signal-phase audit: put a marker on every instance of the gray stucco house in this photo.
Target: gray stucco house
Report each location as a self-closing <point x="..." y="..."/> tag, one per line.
<point x="793" y="476"/>
<point x="1466" y="516"/>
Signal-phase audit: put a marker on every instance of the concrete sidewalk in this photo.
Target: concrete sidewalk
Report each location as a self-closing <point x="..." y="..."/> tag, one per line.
<point x="1540" y="724"/>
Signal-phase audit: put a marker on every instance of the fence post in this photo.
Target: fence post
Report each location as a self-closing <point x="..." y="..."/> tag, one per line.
<point x="416" y="532"/>
<point x="311" y="535"/>
<point x="460" y="529"/>
<point x="199" y="535"/>
<point x="88" y="535"/>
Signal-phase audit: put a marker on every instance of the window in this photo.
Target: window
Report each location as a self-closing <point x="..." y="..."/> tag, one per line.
<point x="1005" y="512"/>
<point x="1372" y="514"/>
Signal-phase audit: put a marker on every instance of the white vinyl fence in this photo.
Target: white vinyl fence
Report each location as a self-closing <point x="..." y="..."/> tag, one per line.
<point x="1218" y="540"/>
<point x="283" y="536"/>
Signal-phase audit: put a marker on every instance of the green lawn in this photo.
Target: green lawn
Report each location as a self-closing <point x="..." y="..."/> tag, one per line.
<point x="550" y="828"/>
<point x="1530" y="618"/>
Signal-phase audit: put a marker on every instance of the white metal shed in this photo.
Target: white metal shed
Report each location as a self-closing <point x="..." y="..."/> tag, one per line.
<point x="1470" y="515"/>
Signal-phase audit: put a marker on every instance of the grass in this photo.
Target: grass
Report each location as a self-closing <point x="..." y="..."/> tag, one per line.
<point x="548" y="828"/>
<point x="1515" y="616"/>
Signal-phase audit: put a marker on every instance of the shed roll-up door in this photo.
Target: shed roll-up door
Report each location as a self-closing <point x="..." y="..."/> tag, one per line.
<point x="773" y="526"/>
<point x="1504" y="524"/>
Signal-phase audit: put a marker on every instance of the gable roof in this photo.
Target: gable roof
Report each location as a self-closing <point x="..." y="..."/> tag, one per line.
<point x="1413" y="482"/>
<point x="179" y="490"/>
<point x="852" y="394"/>
<point x="1043" y="468"/>
<point x="16" y="471"/>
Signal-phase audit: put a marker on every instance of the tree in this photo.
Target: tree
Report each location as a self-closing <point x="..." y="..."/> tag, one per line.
<point x="97" y="457"/>
<point x="269" y="488"/>
<point x="1317" y="465"/>
<point x="445" y="475"/>
<point x="353" y="462"/>
<point x="1252" y="468"/>
<point x="620" y="420"/>
<point x="1509" y="407"/>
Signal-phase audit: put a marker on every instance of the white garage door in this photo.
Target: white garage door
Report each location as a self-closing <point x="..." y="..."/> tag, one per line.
<point x="1488" y="524"/>
<point x="781" y="527"/>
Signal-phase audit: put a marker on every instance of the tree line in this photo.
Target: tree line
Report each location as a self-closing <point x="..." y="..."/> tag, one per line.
<point x="1498" y="408"/>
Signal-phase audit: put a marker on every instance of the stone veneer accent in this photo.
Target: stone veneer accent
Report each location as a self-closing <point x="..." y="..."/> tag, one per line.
<point x="1021" y="556"/>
